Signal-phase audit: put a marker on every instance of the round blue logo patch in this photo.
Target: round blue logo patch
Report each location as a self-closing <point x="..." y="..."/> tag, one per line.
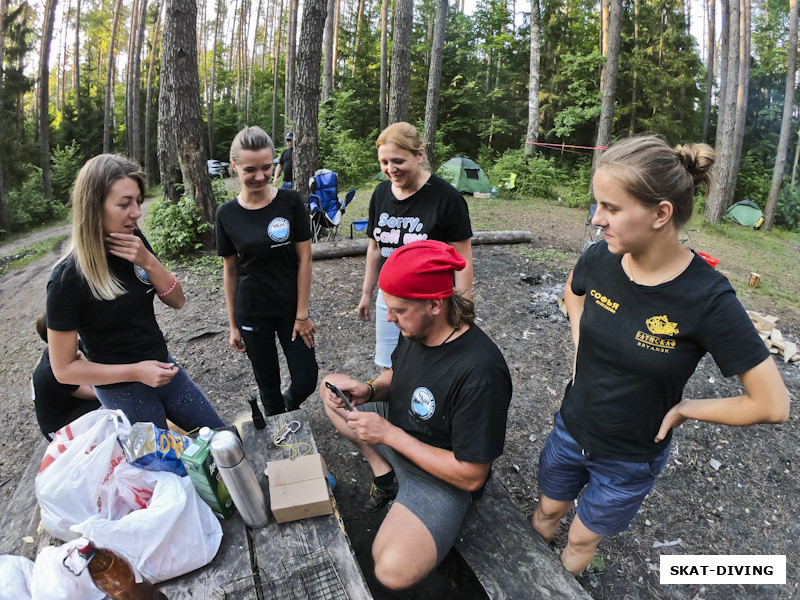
<point x="278" y="229"/>
<point x="141" y="274"/>
<point x="423" y="404"/>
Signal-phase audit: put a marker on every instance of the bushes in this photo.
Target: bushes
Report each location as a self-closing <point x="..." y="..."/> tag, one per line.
<point x="536" y="176"/>
<point x="787" y="213"/>
<point x="27" y="206"/>
<point x="176" y="229"/>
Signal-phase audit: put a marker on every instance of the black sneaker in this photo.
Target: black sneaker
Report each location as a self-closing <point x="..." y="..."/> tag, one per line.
<point x="380" y="497"/>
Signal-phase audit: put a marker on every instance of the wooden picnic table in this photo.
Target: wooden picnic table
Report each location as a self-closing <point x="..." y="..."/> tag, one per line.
<point x="311" y="558"/>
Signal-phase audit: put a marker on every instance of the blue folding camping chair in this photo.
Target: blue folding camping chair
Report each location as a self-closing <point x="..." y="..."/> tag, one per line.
<point x="324" y="205"/>
<point x="591" y="233"/>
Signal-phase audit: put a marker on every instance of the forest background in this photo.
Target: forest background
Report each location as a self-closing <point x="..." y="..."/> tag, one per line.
<point x="516" y="86"/>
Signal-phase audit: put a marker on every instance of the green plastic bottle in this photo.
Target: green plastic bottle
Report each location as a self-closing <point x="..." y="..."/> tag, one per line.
<point x="205" y="475"/>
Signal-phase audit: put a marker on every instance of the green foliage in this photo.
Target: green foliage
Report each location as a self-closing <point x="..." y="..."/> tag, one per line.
<point x="352" y="158"/>
<point x="29" y="254"/>
<point x="67" y="161"/>
<point x="27" y="206"/>
<point x="755" y="179"/>
<point x="787" y="213"/>
<point x="176" y="229"/>
<point x="536" y="177"/>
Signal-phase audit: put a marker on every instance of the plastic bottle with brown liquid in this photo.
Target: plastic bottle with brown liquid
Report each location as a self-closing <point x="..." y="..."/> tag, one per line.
<point x="113" y="575"/>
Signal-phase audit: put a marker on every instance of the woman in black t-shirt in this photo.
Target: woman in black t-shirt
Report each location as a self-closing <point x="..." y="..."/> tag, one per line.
<point x="643" y="311"/>
<point x="412" y="204"/>
<point x="264" y="239"/>
<point x="103" y="289"/>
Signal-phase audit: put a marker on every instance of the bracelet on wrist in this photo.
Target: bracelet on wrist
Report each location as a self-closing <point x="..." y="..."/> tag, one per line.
<point x="371" y="390"/>
<point x="172" y="287"/>
<point x="306" y="318"/>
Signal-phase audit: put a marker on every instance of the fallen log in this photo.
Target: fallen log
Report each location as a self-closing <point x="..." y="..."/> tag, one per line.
<point x="345" y="247"/>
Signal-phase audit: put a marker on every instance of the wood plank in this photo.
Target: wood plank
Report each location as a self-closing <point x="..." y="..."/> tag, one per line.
<point x="509" y="558"/>
<point x="276" y="543"/>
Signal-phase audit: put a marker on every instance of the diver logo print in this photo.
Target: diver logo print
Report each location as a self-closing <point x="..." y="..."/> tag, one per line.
<point x="423" y="404"/>
<point x="278" y="229"/>
<point x="141" y="275"/>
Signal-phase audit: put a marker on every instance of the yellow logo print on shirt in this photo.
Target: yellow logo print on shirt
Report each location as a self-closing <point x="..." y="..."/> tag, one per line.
<point x="660" y="325"/>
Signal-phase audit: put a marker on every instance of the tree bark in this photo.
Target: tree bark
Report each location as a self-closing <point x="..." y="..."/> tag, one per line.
<point x="532" y="134"/>
<point x="327" y="46"/>
<point x="77" y="65"/>
<point x="435" y="82"/>
<point x="384" y="63"/>
<point x="610" y="70"/>
<point x="212" y="94"/>
<point x="336" y="15"/>
<point x="109" y="104"/>
<point x="251" y="68"/>
<point x="786" y="122"/>
<point x="44" y="98"/>
<point x="712" y="18"/>
<point x="401" y="60"/>
<point x="275" y="69"/>
<point x="357" y="41"/>
<point x="154" y="54"/>
<point x="796" y="159"/>
<point x="306" y="104"/>
<point x="291" y="39"/>
<point x="5" y="223"/>
<point x="635" y="74"/>
<point x="743" y="82"/>
<point x="134" y="80"/>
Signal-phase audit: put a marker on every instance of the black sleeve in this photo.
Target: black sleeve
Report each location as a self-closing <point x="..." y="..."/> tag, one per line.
<point x="581" y="269"/>
<point x="63" y="298"/>
<point x="455" y="213"/>
<point x="225" y="245"/>
<point x="301" y="227"/>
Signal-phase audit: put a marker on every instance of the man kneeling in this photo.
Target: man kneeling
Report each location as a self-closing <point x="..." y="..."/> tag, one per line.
<point x="431" y="426"/>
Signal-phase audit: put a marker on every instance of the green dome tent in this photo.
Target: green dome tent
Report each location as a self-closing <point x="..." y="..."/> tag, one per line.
<point x="465" y="175"/>
<point x="746" y="213"/>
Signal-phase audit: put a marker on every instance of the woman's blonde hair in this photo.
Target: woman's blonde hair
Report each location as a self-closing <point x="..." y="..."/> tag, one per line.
<point x="91" y="188"/>
<point x="650" y="171"/>
<point x="250" y="138"/>
<point x="403" y="135"/>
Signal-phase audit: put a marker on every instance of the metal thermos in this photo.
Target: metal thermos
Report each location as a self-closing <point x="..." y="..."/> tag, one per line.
<point x="239" y="478"/>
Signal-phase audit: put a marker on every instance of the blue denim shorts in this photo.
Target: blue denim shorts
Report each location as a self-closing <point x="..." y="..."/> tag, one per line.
<point x="386" y="334"/>
<point x="613" y="490"/>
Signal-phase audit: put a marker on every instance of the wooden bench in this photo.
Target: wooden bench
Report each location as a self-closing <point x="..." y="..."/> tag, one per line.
<point x="507" y="556"/>
<point x="311" y="558"/>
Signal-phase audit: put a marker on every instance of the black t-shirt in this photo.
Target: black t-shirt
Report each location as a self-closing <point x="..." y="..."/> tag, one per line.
<point x="454" y="396"/>
<point x="436" y="211"/>
<point x="263" y="241"/>
<point x="54" y="403"/>
<point x="286" y="164"/>
<point x="639" y="345"/>
<point x="119" y="331"/>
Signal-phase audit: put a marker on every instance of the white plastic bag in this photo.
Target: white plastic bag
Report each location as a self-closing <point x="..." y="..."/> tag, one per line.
<point x="15" y="577"/>
<point x="75" y="480"/>
<point x="53" y="581"/>
<point x="176" y="533"/>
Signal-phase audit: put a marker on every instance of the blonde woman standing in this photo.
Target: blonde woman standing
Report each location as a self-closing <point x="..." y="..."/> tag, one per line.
<point x="643" y="310"/>
<point x="103" y="290"/>
<point x="264" y="239"/>
<point x="412" y="204"/>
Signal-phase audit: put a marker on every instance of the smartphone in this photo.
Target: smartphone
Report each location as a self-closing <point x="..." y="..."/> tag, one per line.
<point x="341" y="395"/>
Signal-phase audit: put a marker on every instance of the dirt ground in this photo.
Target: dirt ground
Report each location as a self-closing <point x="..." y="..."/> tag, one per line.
<point x="750" y="505"/>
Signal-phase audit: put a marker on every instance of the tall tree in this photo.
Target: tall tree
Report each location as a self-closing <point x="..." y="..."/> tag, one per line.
<point x="710" y="65"/>
<point x="155" y="50"/>
<point x="5" y="223"/>
<point x="306" y="104"/>
<point x="327" y="47"/>
<point x="291" y="43"/>
<point x="533" y="80"/>
<point x="275" y="65"/>
<point x="384" y="62"/>
<point x="77" y="63"/>
<point x="400" y="77"/>
<point x="609" y="78"/>
<point x="435" y="81"/>
<point x="357" y="40"/>
<point x="109" y="105"/>
<point x="252" y="67"/>
<point x="786" y="122"/>
<point x="44" y="97"/>
<point x="133" y="87"/>
<point x="180" y="91"/>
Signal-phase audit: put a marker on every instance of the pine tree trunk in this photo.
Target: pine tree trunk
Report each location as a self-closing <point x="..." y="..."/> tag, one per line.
<point x="786" y="123"/>
<point x="435" y="82"/>
<point x="725" y="182"/>
<point x="384" y="61"/>
<point x="212" y="94"/>
<point x="251" y="68"/>
<point x="275" y="68"/>
<point x="744" y="81"/>
<point x="611" y="71"/>
<point x="179" y="68"/>
<point x="291" y="43"/>
<point x="154" y="54"/>
<point x="327" y="48"/>
<point x="712" y="18"/>
<point x="129" y="74"/>
<point x="357" y="41"/>
<point x="796" y="159"/>
<point x="109" y="105"/>
<point x="532" y="134"/>
<point x="401" y="60"/>
<point x="5" y="223"/>
<point x="336" y="16"/>
<point x="306" y="104"/>
<point x="77" y="65"/>
<point x="44" y="98"/>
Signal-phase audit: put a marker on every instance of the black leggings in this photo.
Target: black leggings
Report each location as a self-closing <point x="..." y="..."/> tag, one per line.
<point x="259" y="338"/>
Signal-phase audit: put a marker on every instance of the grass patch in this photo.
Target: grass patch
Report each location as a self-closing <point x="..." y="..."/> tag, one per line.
<point x="28" y="254"/>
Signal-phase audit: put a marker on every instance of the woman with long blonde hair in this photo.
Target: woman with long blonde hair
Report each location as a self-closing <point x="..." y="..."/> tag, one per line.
<point x="103" y="290"/>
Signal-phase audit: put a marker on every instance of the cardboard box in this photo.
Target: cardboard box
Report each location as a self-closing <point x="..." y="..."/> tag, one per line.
<point x="299" y="488"/>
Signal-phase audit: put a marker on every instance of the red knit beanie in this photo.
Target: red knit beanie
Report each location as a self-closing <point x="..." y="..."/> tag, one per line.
<point x="421" y="270"/>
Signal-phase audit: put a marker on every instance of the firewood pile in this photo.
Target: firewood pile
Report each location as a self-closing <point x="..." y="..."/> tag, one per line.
<point x="765" y="325"/>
